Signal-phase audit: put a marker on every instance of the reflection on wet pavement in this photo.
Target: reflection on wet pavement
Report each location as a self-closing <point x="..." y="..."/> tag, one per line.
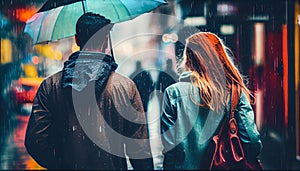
<point x="13" y="154"/>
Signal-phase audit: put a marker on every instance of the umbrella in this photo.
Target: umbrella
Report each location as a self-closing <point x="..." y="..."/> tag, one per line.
<point x="57" y="18"/>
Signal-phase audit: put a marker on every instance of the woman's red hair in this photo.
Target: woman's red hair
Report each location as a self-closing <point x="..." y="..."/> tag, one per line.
<point x="212" y="69"/>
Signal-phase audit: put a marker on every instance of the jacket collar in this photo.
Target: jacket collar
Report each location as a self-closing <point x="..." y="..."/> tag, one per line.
<point x="185" y="76"/>
<point x="83" y="67"/>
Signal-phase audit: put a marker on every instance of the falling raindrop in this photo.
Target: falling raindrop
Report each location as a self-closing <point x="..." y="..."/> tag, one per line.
<point x="100" y="129"/>
<point x="74" y="128"/>
<point x="8" y="129"/>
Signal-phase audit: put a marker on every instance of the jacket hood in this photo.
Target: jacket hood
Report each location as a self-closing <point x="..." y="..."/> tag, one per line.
<point x="83" y="67"/>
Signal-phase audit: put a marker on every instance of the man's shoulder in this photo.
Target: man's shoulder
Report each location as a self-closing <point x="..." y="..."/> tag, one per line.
<point x="118" y="76"/>
<point x="119" y="79"/>
<point x="54" y="78"/>
<point x="55" y="75"/>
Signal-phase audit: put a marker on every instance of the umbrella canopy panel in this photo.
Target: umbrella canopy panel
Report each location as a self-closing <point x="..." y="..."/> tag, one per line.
<point x="59" y="22"/>
<point x="50" y="4"/>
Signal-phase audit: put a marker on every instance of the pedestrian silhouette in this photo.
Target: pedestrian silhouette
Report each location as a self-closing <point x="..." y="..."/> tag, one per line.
<point x="183" y="34"/>
<point x="144" y="83"/>
<point x="165" y="79"/>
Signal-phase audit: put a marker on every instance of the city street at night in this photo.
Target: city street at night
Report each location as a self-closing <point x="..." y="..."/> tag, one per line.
<point x="150" y="48"/>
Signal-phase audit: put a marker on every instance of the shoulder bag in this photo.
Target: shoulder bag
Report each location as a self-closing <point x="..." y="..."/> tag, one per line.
<point x="228" y="153"/>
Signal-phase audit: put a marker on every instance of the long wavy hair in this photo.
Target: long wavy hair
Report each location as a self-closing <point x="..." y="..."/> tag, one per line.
<point x="213" y="71"/>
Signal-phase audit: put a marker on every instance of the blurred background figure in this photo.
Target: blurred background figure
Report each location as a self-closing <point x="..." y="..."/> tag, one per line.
<point x="144" y="83"/>
<point x="183" y="34"/>
<point x="165" y="78"/>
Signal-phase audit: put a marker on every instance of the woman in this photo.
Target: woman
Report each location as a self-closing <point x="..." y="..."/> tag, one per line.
<point x="194" y="107"/>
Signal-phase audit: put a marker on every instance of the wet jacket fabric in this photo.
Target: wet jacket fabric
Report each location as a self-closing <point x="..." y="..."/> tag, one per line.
<point x="187" y="128"/>
<point x="84" y="116"/>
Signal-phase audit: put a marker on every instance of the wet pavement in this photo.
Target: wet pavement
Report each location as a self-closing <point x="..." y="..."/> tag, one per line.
<point x="13" y="154"/>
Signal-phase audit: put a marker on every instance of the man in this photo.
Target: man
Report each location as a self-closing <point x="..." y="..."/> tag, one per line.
<point x="84" y="115"/>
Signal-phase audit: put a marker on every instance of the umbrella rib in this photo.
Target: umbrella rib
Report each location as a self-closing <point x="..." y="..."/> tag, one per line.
<point x="84" y="6"/>
<point x="115" y="8"/>
<point x="60" y="9"/>
<point x="40" y="27"/>
<point x="128" y="12"/>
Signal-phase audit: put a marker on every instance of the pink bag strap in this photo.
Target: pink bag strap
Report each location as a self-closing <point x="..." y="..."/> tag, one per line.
<point x="235" y="97"/>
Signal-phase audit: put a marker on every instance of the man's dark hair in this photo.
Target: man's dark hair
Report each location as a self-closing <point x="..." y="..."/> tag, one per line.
<point x="90" y="23"/>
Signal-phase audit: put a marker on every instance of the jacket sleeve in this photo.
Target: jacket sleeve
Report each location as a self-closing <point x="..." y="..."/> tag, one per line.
<point x="247" y="129"/>
<point x="39" y="130"/>
<point x="138" y="147"/>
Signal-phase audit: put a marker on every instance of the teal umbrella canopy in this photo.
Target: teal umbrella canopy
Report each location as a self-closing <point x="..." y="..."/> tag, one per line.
<point x="57" y="20"/>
